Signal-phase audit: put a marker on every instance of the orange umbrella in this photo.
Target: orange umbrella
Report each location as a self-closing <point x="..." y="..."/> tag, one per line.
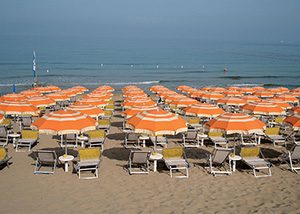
<point x="231" y="123"/>
<point x="157" y="122"/>
<point x="31" y="93"/>
<point x="57" y="96"/>
<point x="17" y="108"/>
<point x="184" y="102"/>
<point x="93" y="101"/>
<point x="207" y="88"/>
<point x="174" y="97"/>
<point x="259" y="88"/>
<point x="64" y="122"/>
<point x="41" y="101"/>
<point x="106" y="88"/>
<point x="1" y="117"/>
<point x="218" y="89"/>
<point x="203" y="110"/>
<point x="233" y="88"/>
<point x="232" y="101"/>
<point x="264" y="94"/>
<point x="263" y="108"/>
<point x="247" y="90"/>
<point x="197" y="94"/>
<point x="250" y="98"/>
<point x="13" y="97"/>
<point x="88" y="109"/>
<point x="232" y="93"/>
<point x="212" y="96"/>
<point x="47" y="89"/>
<point x="281" y="103"/>
<point x="80" y="88"/>
<point x="296" y="89"/>
<point x="275" y="90"/>
<point x="157" y="88"/>
<point x="183" y="88"/>
<point x="137" y="109"/>
<point x="296" y="110"/>
<point x="143" y="102"/>
<point x="102" y="96"/>
<point x="294" y="121"/>
<point x="289" y="98"/>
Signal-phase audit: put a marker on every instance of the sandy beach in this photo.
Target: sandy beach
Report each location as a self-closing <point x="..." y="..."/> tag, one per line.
<point x="115" y="191"/>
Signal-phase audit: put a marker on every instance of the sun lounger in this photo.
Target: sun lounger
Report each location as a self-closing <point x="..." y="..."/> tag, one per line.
<point x="218" y="139"/>
<point x="96" y="138"/>
<point x="26" y="122"/>
<point x="88" y="160"/>
<point x="159" y="140"/>
<point x="191" y="139"/>
<point x="3" y="136"/>
<point x="217" y="161"/>
<point x="194" y="122"/>
<point x="253" y="157"/>
<point x="292" y="157"/>
<point x="45" y="158"/>
<point x="175" y="160"/>
<point x="273" y="134"/>
<point x="28" y="139"/>
<point x="138" y="162"/>
<point x="107" y="114"/>
<point x="69" y="140"/>
<point x="4" y="157"/>
<point x="131" y="139"/>
<point x="104" y="124"/>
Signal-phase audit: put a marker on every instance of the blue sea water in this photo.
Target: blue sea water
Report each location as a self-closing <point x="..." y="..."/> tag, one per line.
<point x="92" y="62"/>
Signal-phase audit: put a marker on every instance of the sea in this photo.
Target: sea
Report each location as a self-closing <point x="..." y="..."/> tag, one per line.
<point x="90" y="62"/>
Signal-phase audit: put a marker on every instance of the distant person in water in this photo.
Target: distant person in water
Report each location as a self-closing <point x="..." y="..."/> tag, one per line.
<point x="225" y="70"/>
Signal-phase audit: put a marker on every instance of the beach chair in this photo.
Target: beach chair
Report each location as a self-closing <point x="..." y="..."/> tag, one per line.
<point x="69" y="140"/>
<point x="194" y="122"/>
<point x="253" y="157"/>
<point x="159" y="140"/>
<point x="217" y="161"/>
<point x="107" y="114"/>
<point x="45" y="158"/>
<point x="273" y="134"/>
<point x="292" y="157"/>
<point x="4" y="157"/>
<point x="217" y="138"/>
<point x="28" y="139"/>
<point x="96" y="138"/>
<point x="3" y="136"/>
<point x="138" y="162"/>
<point x="104" y="124"/>
<point x="88" y="160"/>
<point x="6" y="123"/>
<point x="110" y="107"/>
<point x="26" y="122"/>
<point x="191" y="139"/>
<point x="176" y="160"/>
<point x="131" y="139"/>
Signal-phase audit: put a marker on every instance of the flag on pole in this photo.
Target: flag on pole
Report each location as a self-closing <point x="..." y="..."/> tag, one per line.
<point x="34" y="65"/>
<point x="14" y="88"/>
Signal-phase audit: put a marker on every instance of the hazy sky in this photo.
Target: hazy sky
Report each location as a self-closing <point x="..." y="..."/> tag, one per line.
<point x="168" y="19"/>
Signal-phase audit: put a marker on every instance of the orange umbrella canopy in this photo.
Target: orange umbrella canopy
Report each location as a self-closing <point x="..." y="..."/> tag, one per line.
<point x="47" y="89"/>
<point x="289" y="98"/>
<point x="197" y="94"/>
<point x="247" y="90"/>
<point x="57" y="96"/>
<point x="106" y="88"/>
<point x="184" y="102"/>
<point x="203" y="110"/>
<point x="232" y="101"/>
<point x="41" y="101"/>
<point x="231" y="123"/>
<point x="137" y="109"/>
<point x="281" y="103"/>
<point x="250" y="98"/>
<point x="64" y="122"/>
<point x="157" y="122"/>
<point x="88" y="109"/>
<point x="294" y="121"/>
<point x="263" y="108"/>
<point x="31" y="93"/>
<point x="1" y="117"/>
<point x="93" y="101"/>
<point x="296" y="109"/>
<point x="143" y="102"/>
<point x="17" y="108"/>
<point x="231" y="93"/>
<point x="212" y="96"/>
<point x="264" y="94"/>
<point x="13" y="97"/>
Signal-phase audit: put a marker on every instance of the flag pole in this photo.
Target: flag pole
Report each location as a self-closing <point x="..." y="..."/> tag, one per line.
<point x="35" y="78"/>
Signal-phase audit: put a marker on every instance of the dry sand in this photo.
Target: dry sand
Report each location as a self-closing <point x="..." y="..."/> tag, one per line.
<point x="115" y="191"/>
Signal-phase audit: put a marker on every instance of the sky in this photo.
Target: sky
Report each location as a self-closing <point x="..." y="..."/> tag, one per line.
<point x="249" y="20"/>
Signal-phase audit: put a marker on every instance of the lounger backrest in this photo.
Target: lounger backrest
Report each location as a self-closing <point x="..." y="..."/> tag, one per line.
<point x="191" y="134"/>
<point x="96" y="134"/>
<point x="3" y="131"/>
<point x="3" y="153"/>
<point x="103" y="122"/>
<point x="215" y="134"/>
<point x="194" y="120"/>
<point x="176" y="152"/>
<point x="29" y="134"/>
<point x="220" y="154"/>
<point x="6" y="122"/>
<point x="26" y="121"/>
<point x="89" y="154"/>
<point x="279" y="119"/>
<point x="295" y="154"/>
<point x="140" y="157"/>
<point x="272" y="131"/>
<point x="46" y="156"/>
<point x="132" y="137"/>
<point x="107" y="113"/>
<point x="70" y="136"/>
<point x="250" y="152"/>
